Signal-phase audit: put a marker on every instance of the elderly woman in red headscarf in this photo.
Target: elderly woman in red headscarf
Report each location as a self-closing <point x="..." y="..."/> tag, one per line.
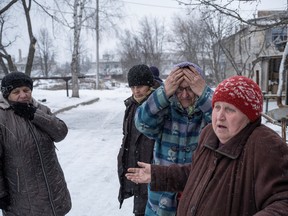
<point x="240" y="166"/>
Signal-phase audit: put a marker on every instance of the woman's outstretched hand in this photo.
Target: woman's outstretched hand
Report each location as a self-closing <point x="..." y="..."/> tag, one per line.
<point x="140" y="175"/>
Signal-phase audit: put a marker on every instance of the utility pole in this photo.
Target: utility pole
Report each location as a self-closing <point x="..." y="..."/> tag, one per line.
<point x="284" y="60"/>
<point x="97" y="44"/>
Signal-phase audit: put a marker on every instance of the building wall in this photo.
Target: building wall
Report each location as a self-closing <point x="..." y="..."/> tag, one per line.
<point x="255" y="49"/>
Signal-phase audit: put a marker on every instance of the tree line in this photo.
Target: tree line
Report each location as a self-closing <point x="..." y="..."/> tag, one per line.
<point x="191" y="35"/>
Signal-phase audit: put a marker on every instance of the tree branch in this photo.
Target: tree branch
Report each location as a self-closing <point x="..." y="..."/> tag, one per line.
<point x="8" y="6"/>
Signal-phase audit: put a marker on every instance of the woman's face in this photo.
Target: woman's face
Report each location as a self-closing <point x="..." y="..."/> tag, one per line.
<point x="139" y="91"/>
<point x="21" y="94"/>
<point x="227" y="121"/>
<point x="185" y="95"/>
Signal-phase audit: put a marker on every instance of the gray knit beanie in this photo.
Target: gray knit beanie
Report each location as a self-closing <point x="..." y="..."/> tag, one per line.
<point x="14" y="80"/>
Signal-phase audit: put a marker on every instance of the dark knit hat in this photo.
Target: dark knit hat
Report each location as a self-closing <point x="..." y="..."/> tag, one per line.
<point x="156" y="73"/>
<point x="187" y="64"/>
<point x="140" y="75"/>
<point x="14" y="80"/>
<point x="241" y="92"/>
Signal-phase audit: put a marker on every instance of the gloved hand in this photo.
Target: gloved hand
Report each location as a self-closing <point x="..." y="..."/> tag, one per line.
<point x="5" y="202"/>
<point x="24" y="110"/>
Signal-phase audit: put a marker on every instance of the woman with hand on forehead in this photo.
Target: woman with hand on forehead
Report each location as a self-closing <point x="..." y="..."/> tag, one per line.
<point x="186" y="82"/>
<point x="173" y="116"/>
<point x="240" y="166"/>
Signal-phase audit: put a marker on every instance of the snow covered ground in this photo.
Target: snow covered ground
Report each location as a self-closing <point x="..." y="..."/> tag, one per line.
<point x="88" y="154"/>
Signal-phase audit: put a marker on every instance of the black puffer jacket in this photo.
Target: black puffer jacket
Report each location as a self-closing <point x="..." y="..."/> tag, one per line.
<point x="29" y="169"/>
<point x="135" y="147"/>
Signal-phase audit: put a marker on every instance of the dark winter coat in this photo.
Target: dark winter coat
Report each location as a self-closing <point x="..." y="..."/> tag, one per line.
<point x="246" y="176"/>
<point x="29" y="169"/>
<point x="135" y="147"/>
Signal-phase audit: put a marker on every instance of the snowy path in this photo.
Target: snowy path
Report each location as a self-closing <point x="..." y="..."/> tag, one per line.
<point x="89" y="156"/>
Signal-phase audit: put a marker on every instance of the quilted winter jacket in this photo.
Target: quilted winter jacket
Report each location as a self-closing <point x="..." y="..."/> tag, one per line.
<point x="135" y="147"/>
<point x="176" y="134"/>
<point x="29" y="169"/>
<point x="246" y="176"/>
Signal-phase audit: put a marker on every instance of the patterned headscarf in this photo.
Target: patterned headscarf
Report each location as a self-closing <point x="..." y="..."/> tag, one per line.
<point x="241" y="92"/>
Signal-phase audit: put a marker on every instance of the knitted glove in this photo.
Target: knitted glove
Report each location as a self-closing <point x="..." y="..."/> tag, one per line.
<point x="24" y="110"/>
<point x="5" y="202"/>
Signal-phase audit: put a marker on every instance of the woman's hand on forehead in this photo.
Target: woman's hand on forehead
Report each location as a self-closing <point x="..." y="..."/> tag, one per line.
<point x="195" y="81"/>
<point x="173" y="81"/>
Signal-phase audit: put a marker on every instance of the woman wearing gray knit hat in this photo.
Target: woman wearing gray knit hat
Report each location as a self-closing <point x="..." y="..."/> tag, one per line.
<point x="31" y="179"/>
<point x="135" y="146"/>
<point x="173" y="116"/>
<point x="240" y="166"/>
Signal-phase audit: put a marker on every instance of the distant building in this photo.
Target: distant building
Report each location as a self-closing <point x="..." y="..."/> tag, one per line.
<point x="257" y="51"/>
<point x="109" y="67"/>
<point x="37" y="68"/>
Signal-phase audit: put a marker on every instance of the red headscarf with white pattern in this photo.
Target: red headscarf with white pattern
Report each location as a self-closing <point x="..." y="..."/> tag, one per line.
<point x="241" y="92"/>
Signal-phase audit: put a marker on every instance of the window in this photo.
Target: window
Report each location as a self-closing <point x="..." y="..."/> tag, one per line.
<point x="279" y="35"/>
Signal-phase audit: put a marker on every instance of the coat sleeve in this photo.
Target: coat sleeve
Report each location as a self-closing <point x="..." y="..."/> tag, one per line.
<point x="171" y="178"/>
<point x="3" y="188"/>
<point x="271" y="174"/>
<point x="149" y="117"/>
<point x="205" y="103"/>
<point x="48" y="122"/>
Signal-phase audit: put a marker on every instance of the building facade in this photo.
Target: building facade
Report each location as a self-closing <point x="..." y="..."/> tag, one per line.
<point x="256" y="50"/>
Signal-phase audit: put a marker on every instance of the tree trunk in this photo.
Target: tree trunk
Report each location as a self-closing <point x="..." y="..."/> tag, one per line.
<point x="31" y="52"/>
<point x="78" y="11"/>
<point x="11" y="65"/>
<point x="282" y="76"/>
<point x="30" y="59"/>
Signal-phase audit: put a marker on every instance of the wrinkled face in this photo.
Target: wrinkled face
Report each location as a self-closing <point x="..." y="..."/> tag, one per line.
<point x="185" y="95"/>
<point x="227" y="121"/>
<point x="21" y="94"/>
<point x="139" y="91"/>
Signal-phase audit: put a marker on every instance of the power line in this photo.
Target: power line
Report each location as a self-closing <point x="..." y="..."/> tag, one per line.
<point x="152" y="5"/>
<point x="185" y="7"/>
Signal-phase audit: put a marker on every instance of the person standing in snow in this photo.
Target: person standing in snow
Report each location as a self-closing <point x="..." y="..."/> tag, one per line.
<point x="31" y="179"/>
<point x="135" y="146"/>
<point x="240" y="166"/>
<point x="173" y="116"/>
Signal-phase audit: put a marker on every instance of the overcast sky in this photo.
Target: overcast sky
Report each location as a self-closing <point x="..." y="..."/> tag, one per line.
<point x="134" y="10"/>
<point x="165" y="9"/>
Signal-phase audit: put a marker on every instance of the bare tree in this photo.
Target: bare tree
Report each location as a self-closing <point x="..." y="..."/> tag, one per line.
<point x="228" y="9"/>
<point x="218" y="30"/>
<point x="194" y="38"/>
<point x="7" y="6"/>
<point x="31" y="52"/>
<point x="145" y="46"/>
<point x="130" y="50"/>
<point x="45" y="51"/>
<point x="187" y="38"/>
<point x="152" y="38"/>
<point x="83" y="14"/>
<point x="77" y="17"/>
<point x="26" y="7"/>
<point x="4" y="56"/>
